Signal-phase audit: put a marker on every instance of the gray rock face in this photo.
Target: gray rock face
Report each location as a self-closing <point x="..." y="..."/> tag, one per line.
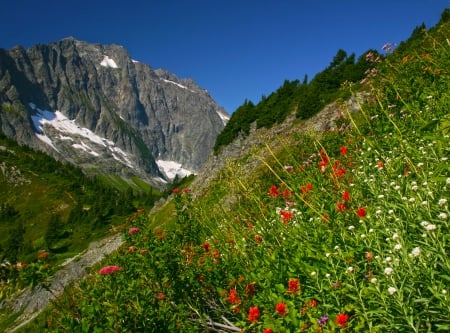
<point x="94" y="106"/>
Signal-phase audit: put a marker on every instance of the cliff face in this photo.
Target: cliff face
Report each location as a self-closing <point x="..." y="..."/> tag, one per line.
<point x="94" y="106"/>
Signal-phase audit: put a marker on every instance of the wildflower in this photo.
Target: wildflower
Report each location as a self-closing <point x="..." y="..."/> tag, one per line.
<point x="343" y="150"/>
<point x="442" y="216"/>
<point x="143" y="251"/>
<point x="293" y="286"/>
<point x="176" y="191"/>
<point x="342" y="319"/>
<point x="274" y="191"/>
<point x="346" y="195"/>
<point x="349" y="269"/>
<point x="206" y="246"/>
<point x="398" y="247"/>
<point x="430" y="227"/>
<point x="373" y="280"/>
<point x="351" y="228"/>
<point x="287" y="194"/>
<point x="258" y="239"/>
<point x="253" y="314"/>
<point x="368" y="255"/>
<point x="340" y="206"/>
<point x="388" y="271"/>
<point x="233" y="297"/>
<point x="306" y="188"/>
<point x="133" y="230"/>
<point x="395" y="236"/>
<point x="415" y="252"/>
<point x="286" y="215"/>
<point x="280" y="308"/>
<point x="313" y="303"/>
<point x="392" y="290"/>
<point x="42" y="255"/>
<point x="313" y="274"/>
<point x="338" y="170"/>
<point x="323" y="320"/>
<point x="442" y="202"/>
<point x="267" y="330"/>
<point x="109" y="270"/>
<point x="160" y="296"/>
<point x="361" y="212"/>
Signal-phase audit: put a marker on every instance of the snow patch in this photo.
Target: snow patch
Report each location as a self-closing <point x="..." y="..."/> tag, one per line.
<point x="172" y="169"/>
<point x="69" y="129"/>
<point x="178" y="84"/>
<point x="224" y="117"/>
<point x="108" y="62"/>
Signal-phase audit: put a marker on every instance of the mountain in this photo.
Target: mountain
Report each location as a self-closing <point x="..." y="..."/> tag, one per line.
<point x="94" y="106"/>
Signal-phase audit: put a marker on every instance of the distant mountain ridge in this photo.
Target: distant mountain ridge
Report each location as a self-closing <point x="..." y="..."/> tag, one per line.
<point x="96" y="107"/>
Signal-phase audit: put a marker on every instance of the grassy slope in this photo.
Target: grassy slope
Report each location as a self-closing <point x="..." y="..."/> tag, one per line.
<point x="38" y="187"/>
<point x="365" y="237"/>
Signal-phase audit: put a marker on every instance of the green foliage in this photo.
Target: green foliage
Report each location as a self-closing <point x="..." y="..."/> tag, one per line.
<point x="305" y="98"/>
<point x="57" y="206"/>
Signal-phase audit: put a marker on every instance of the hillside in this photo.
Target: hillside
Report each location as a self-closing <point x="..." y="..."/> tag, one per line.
<point x="331" y="224"/>
<point x="48" y="205"/>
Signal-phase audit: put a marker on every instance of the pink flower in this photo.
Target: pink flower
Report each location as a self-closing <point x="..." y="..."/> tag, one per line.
<point x="109" y="270"/>
<point x="133" y="230"/>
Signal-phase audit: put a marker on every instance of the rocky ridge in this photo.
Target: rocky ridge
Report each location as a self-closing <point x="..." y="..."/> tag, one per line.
<point x="96" y="107"/>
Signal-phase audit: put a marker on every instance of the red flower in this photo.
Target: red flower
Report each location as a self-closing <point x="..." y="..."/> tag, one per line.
<point x="342" y="319"/>
<point x="287" y="194"/>
<point x="346" y="195"/>
<point x="253" y="314"/>
<point x="280" y="308"/>
<point x="267" y="330"/>
<point x="361" y="212"/>
<point x="133" y="230"/>
<point x="206" y="246"/>
<point x="42" y="255"/>
<point x="343" y="150"/>
<point x="274" y="191"/>
<point x="286" y="215"/>
<point x="340" y="206"/>
<point x="293" y="286"/>
<point x="233" y="297"/>
<point x="160" y="296"/>
<point x="176" y="191"/>
<point x="338" y="170"/>
<point x="313" y="303"/>
<point x="109" y="270"/>
<point x="258" y="239"/>
<point x="306" y="188"/>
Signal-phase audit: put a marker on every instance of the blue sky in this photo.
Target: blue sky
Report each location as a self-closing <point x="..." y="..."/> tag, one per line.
<point x="236" y="49"/>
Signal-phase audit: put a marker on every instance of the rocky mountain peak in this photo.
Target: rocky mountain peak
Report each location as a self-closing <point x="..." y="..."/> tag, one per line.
<point x="94" y="106"/>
